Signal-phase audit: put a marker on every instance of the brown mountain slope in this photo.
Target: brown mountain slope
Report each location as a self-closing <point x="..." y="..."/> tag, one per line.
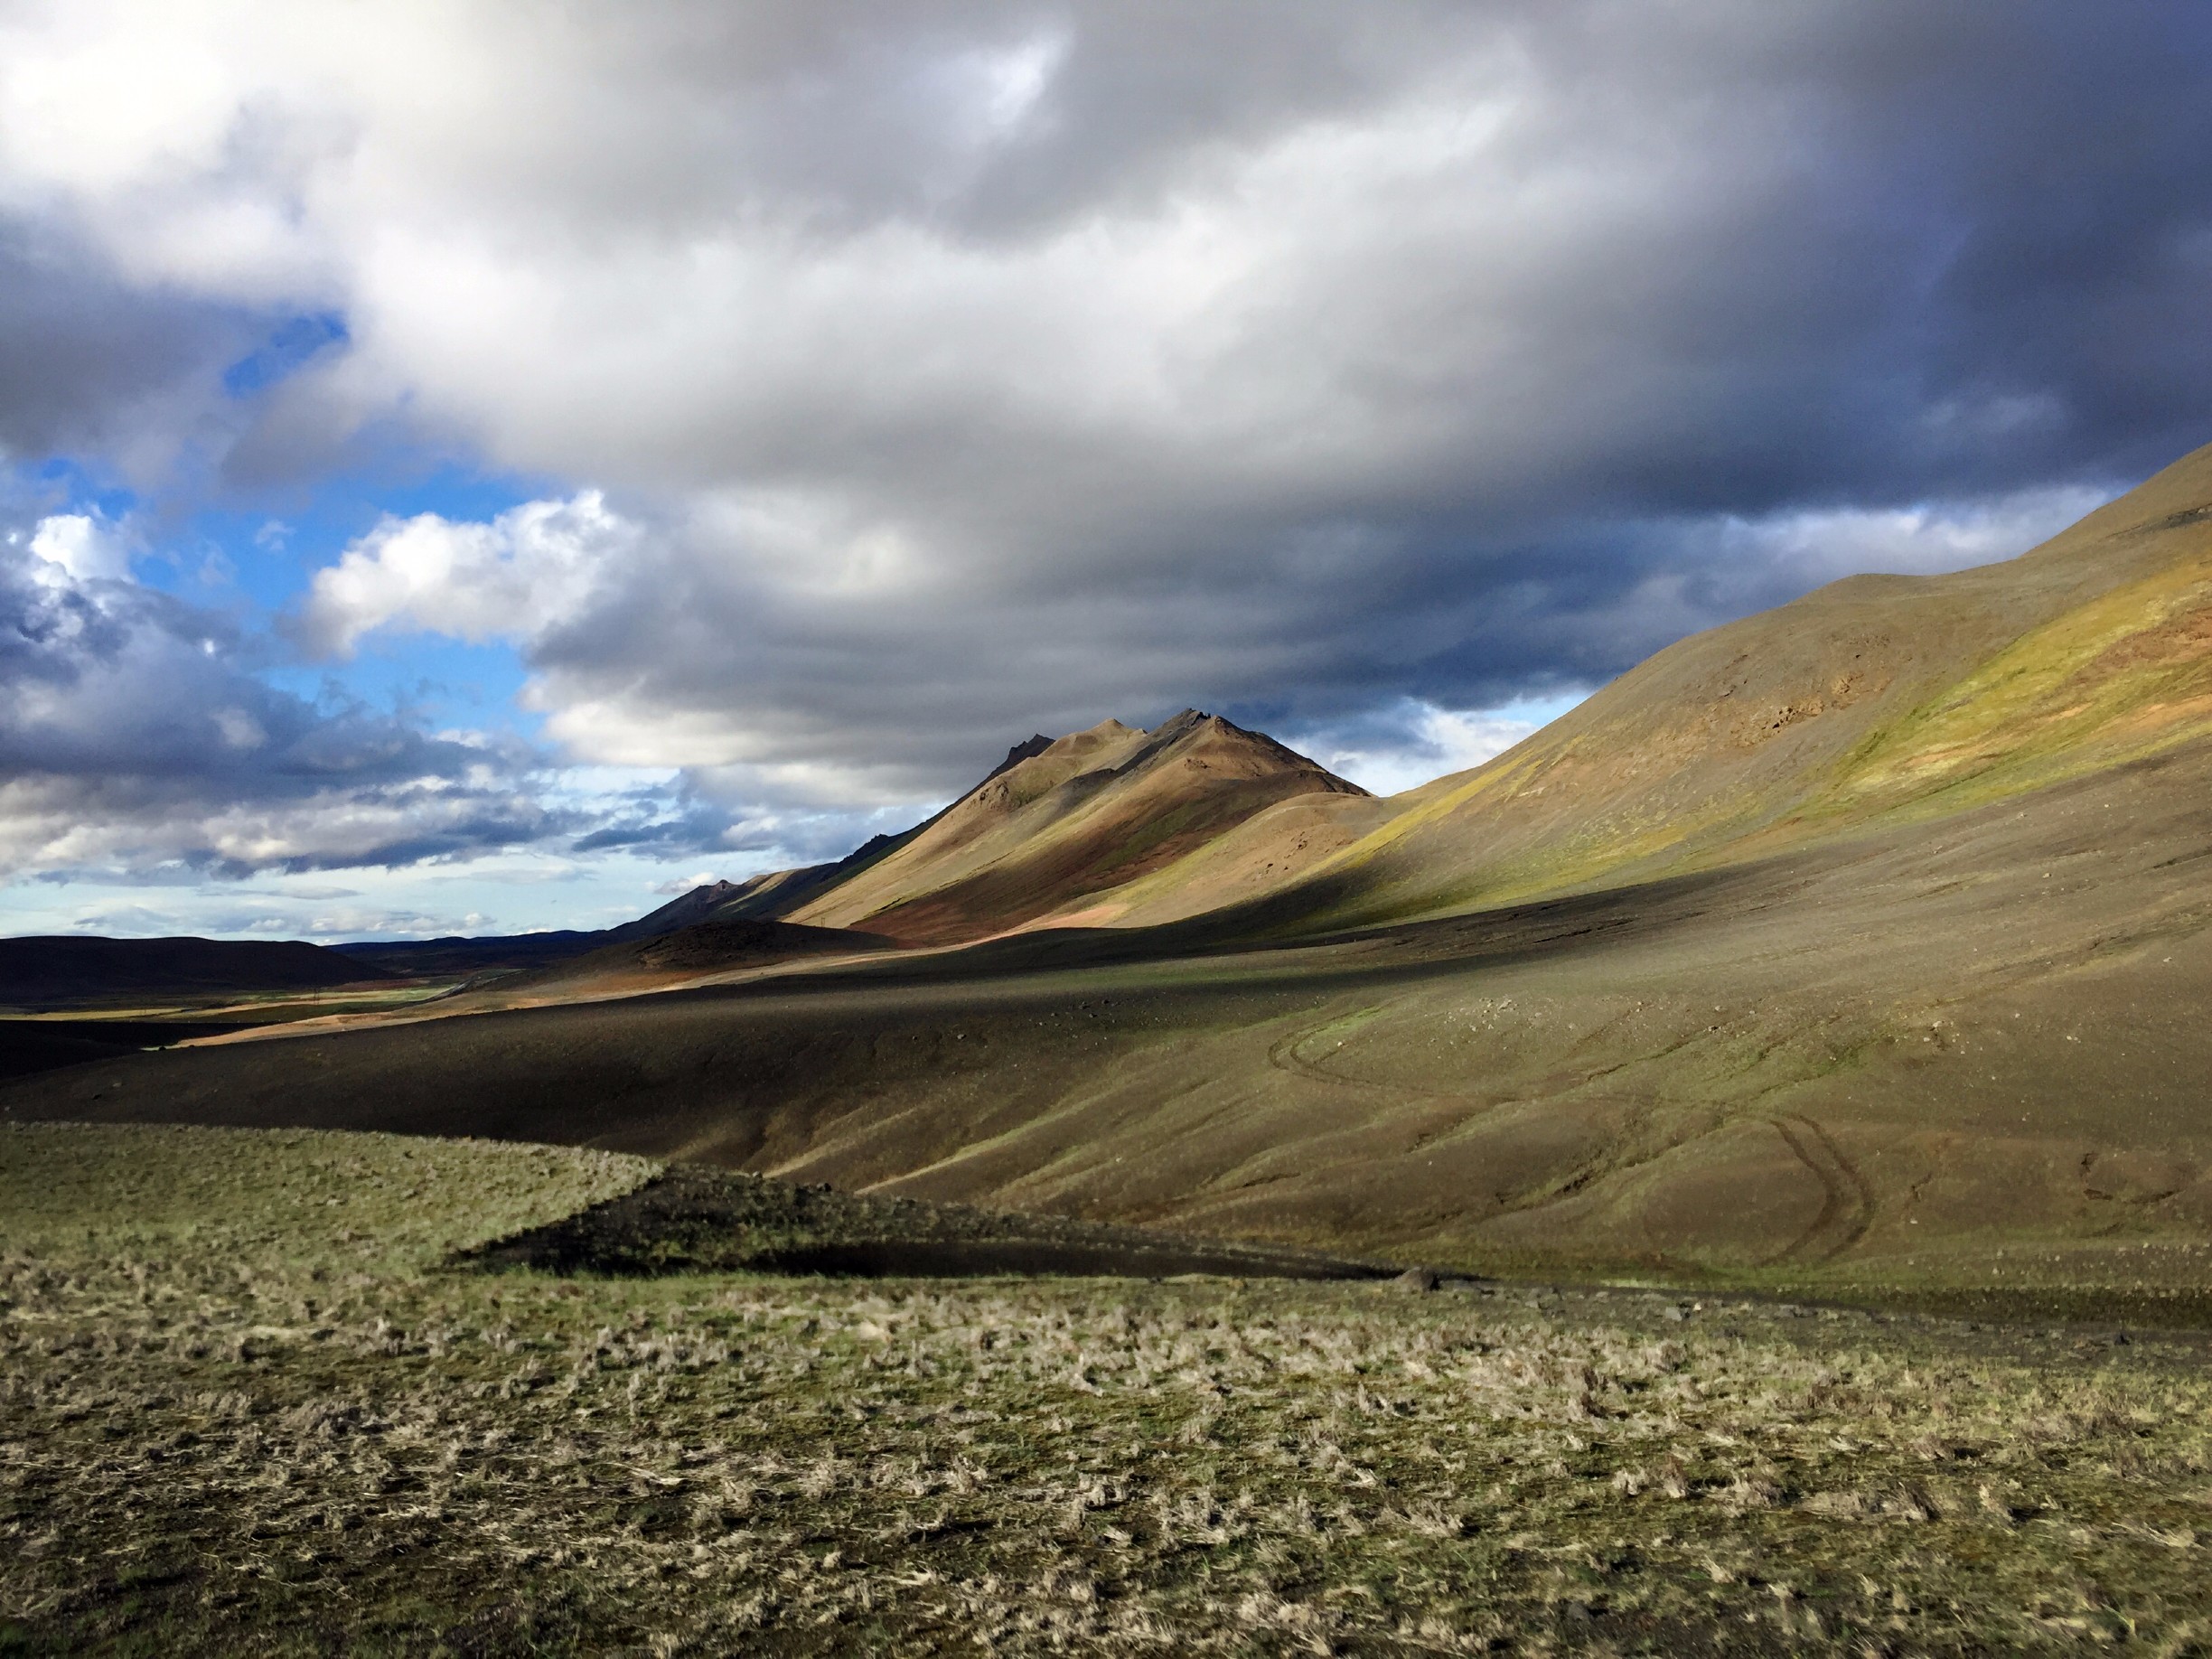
<point x="1927" y="1055"/>
<point x="1947" y="1033"/>
<point x="1874" y="699"/>
<point x="1057" y="829"/>
<point x="778" y="894"/>
<point x="1247" y="863"/>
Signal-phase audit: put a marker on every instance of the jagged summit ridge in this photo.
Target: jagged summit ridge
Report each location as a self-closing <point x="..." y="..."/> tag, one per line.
<point x="1021" y="752"/>
<point x="1049" y="834"/>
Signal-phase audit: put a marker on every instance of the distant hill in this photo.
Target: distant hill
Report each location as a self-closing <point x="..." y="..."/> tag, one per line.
<point x="63" y="971"/>
<point x="696" y="906"/>
<point x="1061" y="831"/>
<point x="461" y="956"/>
<point x="756" y="899"/>
<point x="1057" y="831"/>
<point x="464" y="957"/>
<point x="703" y="947"/>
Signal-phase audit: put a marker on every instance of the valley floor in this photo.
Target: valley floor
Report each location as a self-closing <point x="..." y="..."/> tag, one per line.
<point x="251" y="1402"/>
<point x="1963" y="1057"/>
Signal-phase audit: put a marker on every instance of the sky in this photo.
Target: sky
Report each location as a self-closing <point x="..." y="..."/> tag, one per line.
<point x="474" y="468"/>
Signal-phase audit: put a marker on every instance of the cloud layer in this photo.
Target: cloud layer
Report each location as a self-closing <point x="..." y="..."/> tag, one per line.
<point x="912" y="376"/>
<point x="134" y="736"/>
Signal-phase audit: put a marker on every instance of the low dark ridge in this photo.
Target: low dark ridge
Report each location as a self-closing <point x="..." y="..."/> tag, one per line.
<point x="28" y="1046"/>
<point x="70" y="970"/>
<point x="693" y="1219"/>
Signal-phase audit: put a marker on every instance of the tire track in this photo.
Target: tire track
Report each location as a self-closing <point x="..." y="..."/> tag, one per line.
<point x="1847" y="1202"/>
<point x="1284" y="1055"/>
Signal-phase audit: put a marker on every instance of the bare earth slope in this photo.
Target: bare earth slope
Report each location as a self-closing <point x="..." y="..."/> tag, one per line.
<point x="1923" y="1057"/>
<point x="1054" y="832"/>
<point x="1906" y="988"/>
<point x="1875" y="697"/>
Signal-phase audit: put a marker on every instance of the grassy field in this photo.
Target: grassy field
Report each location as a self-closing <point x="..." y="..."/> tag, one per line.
<point x="249" y="1402"/>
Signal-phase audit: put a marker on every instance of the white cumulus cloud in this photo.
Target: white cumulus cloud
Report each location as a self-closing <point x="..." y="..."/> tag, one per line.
<point x="75" y="546"/>
<point x="516" y="577"/>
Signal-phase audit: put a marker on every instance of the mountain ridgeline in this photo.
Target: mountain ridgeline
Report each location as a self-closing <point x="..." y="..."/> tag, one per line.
<point x="1051" y="837"/>
<point x="1876" y="700"/>
<point x="1059" y="834"/>
<point x="1863" y="941"/>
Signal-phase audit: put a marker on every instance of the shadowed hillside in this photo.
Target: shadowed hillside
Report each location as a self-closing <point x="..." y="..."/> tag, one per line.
<point x="1863" y="944"/>
<point x="703" y="947"/>
<point x="459" y="957"/>
<point x="1911" y="1058"/>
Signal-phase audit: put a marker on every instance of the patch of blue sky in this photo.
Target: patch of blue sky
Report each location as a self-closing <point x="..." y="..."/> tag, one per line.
<point x="61" y="483"/>
<point x="443" y="683"/>
<point x="257" y="553"/>
<point x="255" y="559"/>
<point x="518" y="891"/>
<point x="288" y="349"/>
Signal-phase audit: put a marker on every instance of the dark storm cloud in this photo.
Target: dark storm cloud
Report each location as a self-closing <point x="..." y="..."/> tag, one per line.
<point x="953" y="370"/>
<point x="88" y="362"/>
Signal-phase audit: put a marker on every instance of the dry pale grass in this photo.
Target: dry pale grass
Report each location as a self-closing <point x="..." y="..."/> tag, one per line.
<point x="244" y="1408"/>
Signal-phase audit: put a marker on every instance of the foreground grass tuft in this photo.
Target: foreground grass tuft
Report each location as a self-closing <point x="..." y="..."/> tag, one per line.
<point x="245" y="1407"/>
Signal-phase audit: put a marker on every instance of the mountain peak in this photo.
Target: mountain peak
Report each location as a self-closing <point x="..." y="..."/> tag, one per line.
<point x="1062" y="821"/>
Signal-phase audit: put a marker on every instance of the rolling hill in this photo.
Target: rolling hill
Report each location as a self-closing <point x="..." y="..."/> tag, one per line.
<point x="1863" y="942"/>
<point x="1875" y="699"/>
<point x="461" y="956"/>
<point x="1046" y="839"/>
<point x="1054" y="832"/>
